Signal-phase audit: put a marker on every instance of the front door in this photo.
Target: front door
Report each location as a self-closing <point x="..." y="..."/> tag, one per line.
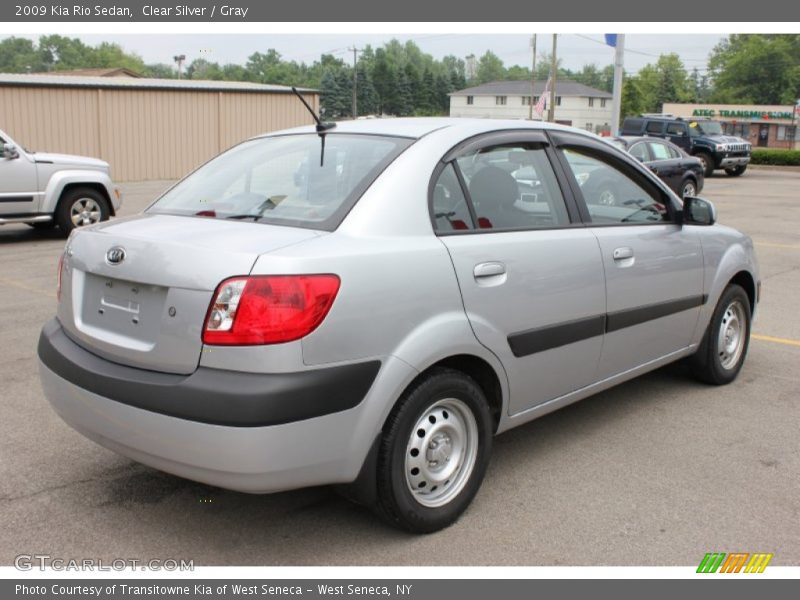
<point x="18" y="189"/>
<point x="531" y="276"/>
<point x="653" y="265"/>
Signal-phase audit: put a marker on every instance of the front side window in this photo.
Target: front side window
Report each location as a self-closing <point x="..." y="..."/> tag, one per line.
<point x="611" y="196"/>
<point x="284" y="180"/>
<point x="513" y="187"/>
<point x="677" y="129"/>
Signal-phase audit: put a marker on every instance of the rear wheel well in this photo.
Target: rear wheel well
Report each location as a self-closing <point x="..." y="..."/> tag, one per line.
<point x="483" y="374"/>
<point x="92" y="186"/>
<point x="745" y="280"/>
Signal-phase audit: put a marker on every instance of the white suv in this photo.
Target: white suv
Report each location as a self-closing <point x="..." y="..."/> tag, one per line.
<point x="44" y="190"/>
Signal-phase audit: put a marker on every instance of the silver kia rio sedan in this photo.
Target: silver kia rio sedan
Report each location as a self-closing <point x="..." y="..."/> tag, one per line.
<point x="369" y="304"/>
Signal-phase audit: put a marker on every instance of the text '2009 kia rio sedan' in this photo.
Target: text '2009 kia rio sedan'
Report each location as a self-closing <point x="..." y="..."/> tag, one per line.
<point x="369" y="304"/>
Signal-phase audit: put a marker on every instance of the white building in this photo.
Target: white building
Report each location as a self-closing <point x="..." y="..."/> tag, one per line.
<point x="576" y="104"/>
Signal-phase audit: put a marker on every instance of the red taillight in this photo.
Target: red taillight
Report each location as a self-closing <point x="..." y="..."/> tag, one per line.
<point x="268" y="309"/>
<point x="58" y="280"/>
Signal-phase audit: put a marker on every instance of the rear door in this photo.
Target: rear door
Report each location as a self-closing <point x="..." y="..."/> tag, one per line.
<point x="531" y="275"/>
<point x="653" y="265"/>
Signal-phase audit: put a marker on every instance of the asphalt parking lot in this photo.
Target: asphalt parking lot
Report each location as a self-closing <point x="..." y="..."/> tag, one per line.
<point x="657" y="471"/>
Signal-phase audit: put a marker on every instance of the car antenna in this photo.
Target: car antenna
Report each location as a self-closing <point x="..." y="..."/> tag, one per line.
<point x="322" y="126"/>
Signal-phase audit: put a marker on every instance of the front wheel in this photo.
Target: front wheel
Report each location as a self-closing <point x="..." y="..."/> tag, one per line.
<point x="736" y="171"/>
<point x="434" y="452"/>
<point x="724" y="347"/>
<point x="707" y="162"/>
<point x="79" y="207"/>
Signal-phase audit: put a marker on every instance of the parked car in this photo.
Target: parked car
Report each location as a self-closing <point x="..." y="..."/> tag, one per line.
<point x="683" y="174"/>
<point x="702" y="138"/>
<point x="45" y="190"/>
<point x="377" y="323"/>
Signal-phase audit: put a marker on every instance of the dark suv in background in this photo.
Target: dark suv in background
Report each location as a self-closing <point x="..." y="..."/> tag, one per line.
<point x="702" y="138"/>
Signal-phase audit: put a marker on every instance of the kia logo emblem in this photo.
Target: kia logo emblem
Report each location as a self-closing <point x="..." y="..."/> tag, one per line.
<point x="115" y="255"/>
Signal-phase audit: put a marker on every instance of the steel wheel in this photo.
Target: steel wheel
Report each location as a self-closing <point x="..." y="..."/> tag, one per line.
<point x="732" y="334"/>
<point x="85" y="211"/>
<point x="441" y="452"/>
<point x="689" y="189"/>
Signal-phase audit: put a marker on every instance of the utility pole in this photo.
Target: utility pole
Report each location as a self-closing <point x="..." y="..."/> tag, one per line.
<point x="533" y="77"/>
<point x="355" y="79"/>
<point x="616" y="101"/>
<point x="551" y="113"/>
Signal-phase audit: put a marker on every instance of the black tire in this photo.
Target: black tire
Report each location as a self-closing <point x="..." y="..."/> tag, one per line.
<point x="70" y="199"/>
<point x="708" y="364"/>
<point x="396" y="503"/>
<point x="708" y="163"/>
<point x="736" y="171"/>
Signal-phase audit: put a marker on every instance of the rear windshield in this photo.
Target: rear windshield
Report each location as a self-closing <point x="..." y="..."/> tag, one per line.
<point x="285" y="180"/>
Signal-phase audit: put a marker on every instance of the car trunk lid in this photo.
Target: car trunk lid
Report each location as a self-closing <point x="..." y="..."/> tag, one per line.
<point x="136" y="291"/>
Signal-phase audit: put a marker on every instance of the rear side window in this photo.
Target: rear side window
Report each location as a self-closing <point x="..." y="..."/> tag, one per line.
<point x="450" y="210"/>
<point x="513" y="187"/>
<point x="285" y="180"/>
<point x="660" y="151"/>
<point x="654" y="127"/>
<point x="611" y="196"/>
<point x="639" y="151"/>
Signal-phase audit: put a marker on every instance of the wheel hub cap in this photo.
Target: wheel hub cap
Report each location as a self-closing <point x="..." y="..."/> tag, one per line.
<point x="732" y="335"/>
<point x="441" y="452"/>
<point x="84" y="211"/>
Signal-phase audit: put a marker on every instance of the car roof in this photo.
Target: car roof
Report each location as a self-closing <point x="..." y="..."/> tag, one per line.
<point x="417" y="127"/>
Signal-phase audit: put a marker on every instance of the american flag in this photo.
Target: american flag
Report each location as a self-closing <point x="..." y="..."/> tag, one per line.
<point x="542" y="103"/>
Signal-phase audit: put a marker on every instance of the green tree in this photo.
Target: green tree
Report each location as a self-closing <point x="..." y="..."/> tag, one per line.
<point x="490" y="68"/>
<point x="756" y="69"/>
<point x="632" y="101"/>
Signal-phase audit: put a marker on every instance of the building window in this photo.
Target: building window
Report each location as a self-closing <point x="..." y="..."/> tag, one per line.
<point x="784" y="133"/>
<point x="602" y="102"/>
<point x="535" y="99"/>
<point x="470" y="99"/>
<point x="526" y="101"/>
<point x="591" y="101"/>
<point x="500" y="100"/>
<point x="588" y="127"/>
<point x="558" y="100"/>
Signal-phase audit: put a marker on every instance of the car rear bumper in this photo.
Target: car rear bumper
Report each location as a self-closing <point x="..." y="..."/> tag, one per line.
<point x="314" y="450"/>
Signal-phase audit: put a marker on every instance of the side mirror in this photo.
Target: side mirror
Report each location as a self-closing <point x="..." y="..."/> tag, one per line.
<point x="9" y="151"/>
<point x="698" y="211"/>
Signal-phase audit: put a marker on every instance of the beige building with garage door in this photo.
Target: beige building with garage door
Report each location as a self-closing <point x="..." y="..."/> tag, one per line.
<point x="145" y="128"/>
